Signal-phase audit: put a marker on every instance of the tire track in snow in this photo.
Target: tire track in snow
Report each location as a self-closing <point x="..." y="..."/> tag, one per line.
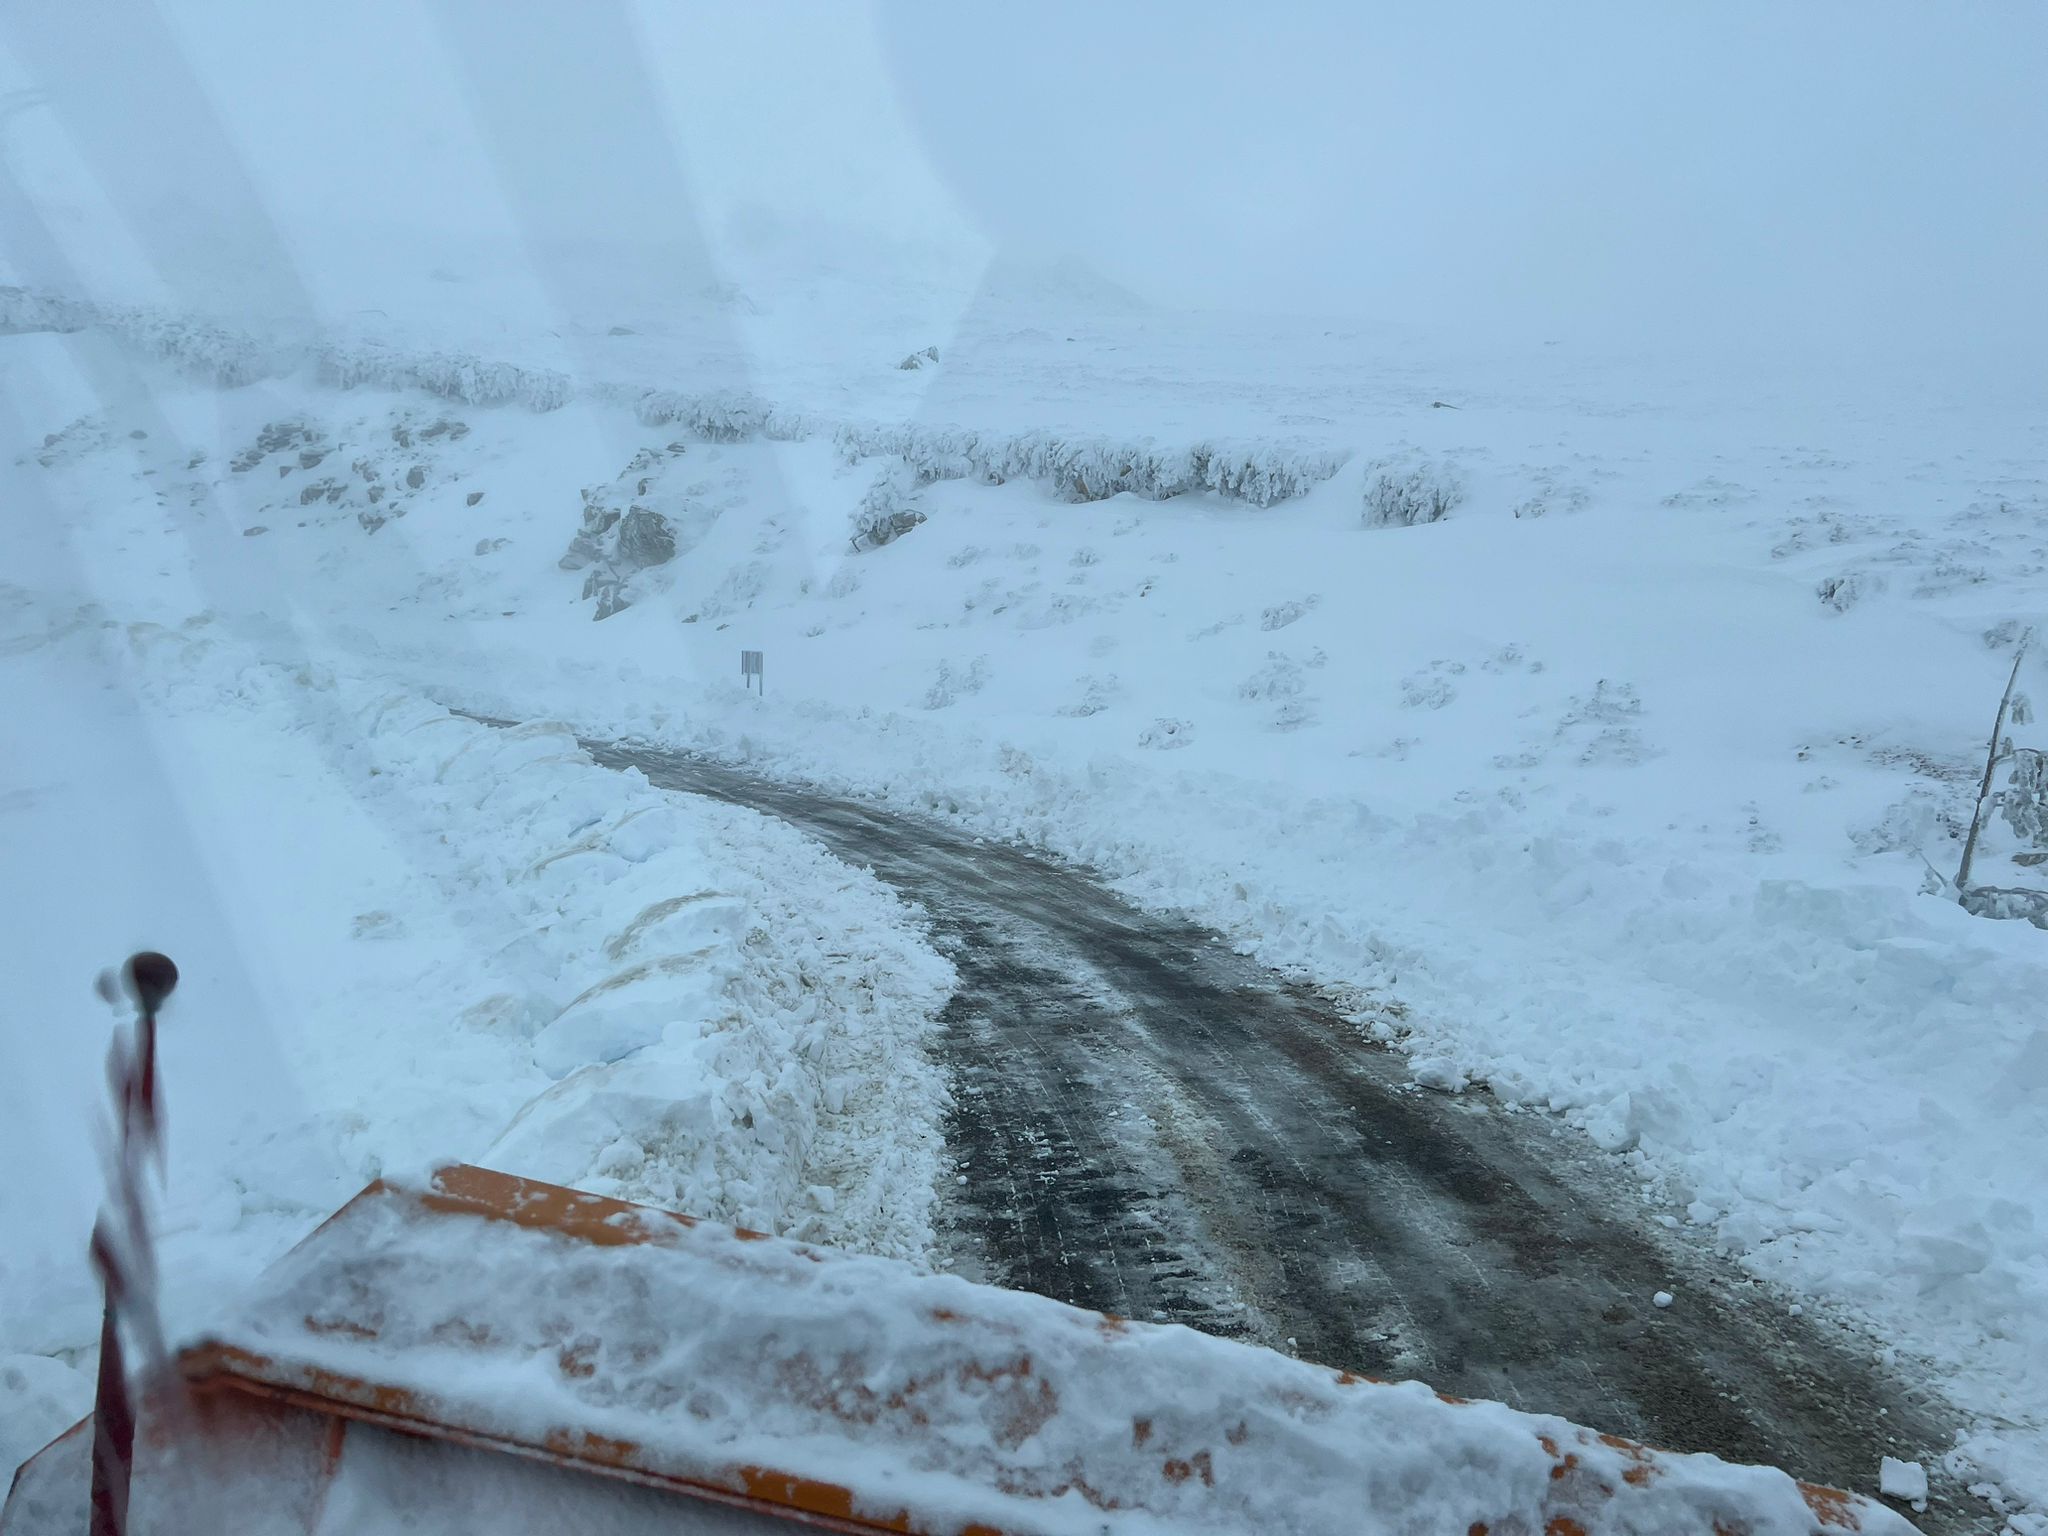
<point x="1152" y="1125"/>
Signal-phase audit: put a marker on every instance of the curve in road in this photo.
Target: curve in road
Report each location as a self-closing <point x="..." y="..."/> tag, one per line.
<point x="1149" y="1124"/>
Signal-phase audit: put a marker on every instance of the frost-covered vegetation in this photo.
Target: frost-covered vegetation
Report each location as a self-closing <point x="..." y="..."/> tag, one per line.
<point x="1401" y="494"/>
<point x="1076" y="468"/>
<point x="470" y="380"/>
<point x="888" y="509"/>
<point x="719" y="416"/>
<point x="1093" y="469"/>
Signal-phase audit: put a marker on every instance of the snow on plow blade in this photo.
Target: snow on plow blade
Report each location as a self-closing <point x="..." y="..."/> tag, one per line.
<point x="486" y="1353"/>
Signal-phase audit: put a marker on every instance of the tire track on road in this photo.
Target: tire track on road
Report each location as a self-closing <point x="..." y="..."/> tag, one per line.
<point x="1278" y="1178"/>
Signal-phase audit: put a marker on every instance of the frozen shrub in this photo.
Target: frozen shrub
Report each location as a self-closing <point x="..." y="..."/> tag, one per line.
<point x="1281" y="677"/>
<point x="887" y="511"/>
<point x="1096" y="696"/>
<point x="1431" y="687"/>
<point x="1165" y="735"/>
<point x="1084" y="469"/>
<point x="1551" y="498"/>
<point x="2006" y="903"/>
<point x="721" y="416"/>
<point x="22" y="311"/>
<point x="453" y="376"/>
<point x="1078" y="469"/>
<point x="1908" y="825"/>
<point x="1841" y="593"/>
<point x="1400" y="497"/>
<point x="1280" y="615"/>
<point x="2024" y="801"/>
<point x="202" y="350"/>
<point x="954" y="683"/>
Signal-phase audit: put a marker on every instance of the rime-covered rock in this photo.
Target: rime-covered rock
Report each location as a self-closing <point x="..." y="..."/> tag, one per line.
<point x="644" y="539"/>
<point x="589" y="545"/>
<point x="623" y="535"/>
<point x="888" y="509"/>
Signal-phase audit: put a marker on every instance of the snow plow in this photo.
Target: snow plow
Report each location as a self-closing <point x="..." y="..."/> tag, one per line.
<point x="475" y="1352"/>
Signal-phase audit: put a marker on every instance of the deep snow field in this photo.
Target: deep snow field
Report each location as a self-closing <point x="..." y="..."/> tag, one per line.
<point x="1613" y="793"/>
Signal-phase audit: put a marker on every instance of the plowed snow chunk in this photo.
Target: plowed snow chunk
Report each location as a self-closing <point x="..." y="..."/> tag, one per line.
<point x="1906" y="1480"/>
<point x="1439" y="1073"/>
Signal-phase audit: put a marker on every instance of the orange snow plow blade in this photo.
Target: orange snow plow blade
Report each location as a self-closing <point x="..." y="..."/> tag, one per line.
<point x="488" y="1353"/>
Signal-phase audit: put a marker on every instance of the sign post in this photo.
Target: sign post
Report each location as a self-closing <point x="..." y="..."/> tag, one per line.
<point x="750" y="671"/>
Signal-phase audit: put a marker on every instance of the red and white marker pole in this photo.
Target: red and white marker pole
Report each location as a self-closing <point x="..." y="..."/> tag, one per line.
<point x="121" y="1249"/>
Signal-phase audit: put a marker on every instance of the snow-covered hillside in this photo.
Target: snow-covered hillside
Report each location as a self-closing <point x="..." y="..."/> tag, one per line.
<point x="1609" y="790"/>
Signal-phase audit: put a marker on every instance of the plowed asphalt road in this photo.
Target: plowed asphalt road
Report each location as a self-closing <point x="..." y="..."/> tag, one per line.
<point x="1152" y="1125"/>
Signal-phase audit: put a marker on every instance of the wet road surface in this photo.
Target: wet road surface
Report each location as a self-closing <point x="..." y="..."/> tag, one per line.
<point x="1152" y="1125"/>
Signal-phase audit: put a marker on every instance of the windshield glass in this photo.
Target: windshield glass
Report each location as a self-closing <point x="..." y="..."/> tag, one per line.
<point x="1358" y="677"/>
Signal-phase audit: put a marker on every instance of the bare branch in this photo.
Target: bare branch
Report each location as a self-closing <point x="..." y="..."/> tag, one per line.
<point x="1991" y="755"/>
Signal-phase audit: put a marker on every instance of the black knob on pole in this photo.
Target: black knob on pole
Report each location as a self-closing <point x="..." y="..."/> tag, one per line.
<point x="151" y="977"/>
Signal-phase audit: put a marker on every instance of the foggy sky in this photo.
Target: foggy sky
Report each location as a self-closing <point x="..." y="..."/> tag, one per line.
<point x="1824" y="167"/>
<point x="1818" y="173"/>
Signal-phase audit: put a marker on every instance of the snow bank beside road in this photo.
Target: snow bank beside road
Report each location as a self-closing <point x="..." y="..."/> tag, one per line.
<point x="733" y="1021"/>
<point x="457" y="940"/>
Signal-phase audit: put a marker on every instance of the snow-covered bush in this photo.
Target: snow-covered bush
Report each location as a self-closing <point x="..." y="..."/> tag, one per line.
<point x="1841" y="593"/>
<point x="203" y="350"/>
<point x="952" y="683"/>
<point x="1279" y="677"/>
<point x="1431" y="687"/>
<point x="1077" y="469"/>
<point x="2006" y="903"/>
<point x="22" y="311"/>
<point x="191" y="345"/>
<point x="1913" y="823"/>
<point x="888" y="510"/>
<point x="2025" y="801"/>
<point x="1280" y="615"/>
<point x="1093" y="469"/>
<point x="1400" y="493"/>
<point x="721" y="416"/>
<point x="1549" y="498"/>
<point x="454" y="376"/>
<point x="1166" y="735"/>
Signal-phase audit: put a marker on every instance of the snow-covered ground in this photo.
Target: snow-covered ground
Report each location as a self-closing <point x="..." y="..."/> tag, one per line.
<point x="1610" y="790"/>
<point x="404" y="936"/>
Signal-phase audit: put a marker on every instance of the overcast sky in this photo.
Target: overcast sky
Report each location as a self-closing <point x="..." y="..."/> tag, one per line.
<point x="1808" y="170"/>
<point x="1832" y="165"/>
